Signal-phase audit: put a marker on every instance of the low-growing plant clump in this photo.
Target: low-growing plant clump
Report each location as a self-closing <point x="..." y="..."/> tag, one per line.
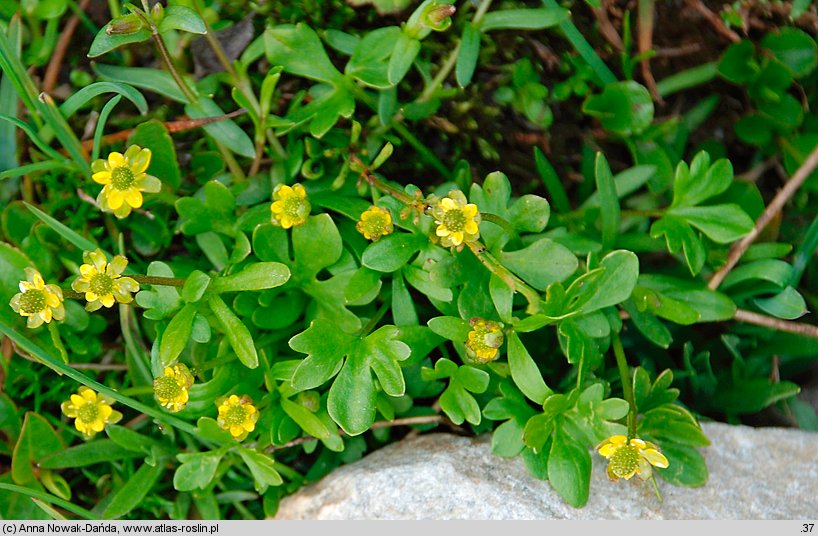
<point x="245" y="243"/>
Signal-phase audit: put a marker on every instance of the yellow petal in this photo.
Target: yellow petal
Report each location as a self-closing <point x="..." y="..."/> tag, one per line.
<point x="103" y="177"/>
<point x="87" y="271"/>
<point x="655" y="458"/>
<point x="107" y="300"/>
<point x="115" y="160"/>
<point x="133" y="197"/>
<point x="140" y="162"/>
<point x="115" y="198"/>
<point x="77" y="400"/>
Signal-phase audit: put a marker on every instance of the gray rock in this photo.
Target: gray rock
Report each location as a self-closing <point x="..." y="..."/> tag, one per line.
<point x="755" y="473"/>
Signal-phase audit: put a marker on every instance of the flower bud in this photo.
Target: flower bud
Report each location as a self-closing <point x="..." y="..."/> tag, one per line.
<point x="124" y="25"/>
<point x="157" y="13"/>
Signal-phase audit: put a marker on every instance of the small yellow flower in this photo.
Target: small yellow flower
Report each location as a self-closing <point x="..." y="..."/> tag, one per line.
<point x="457" y="220"/>
<point x="171" y="389"/>
<point x="628" y="458"/>
<point x="238" y="416"/>
<point x="102" y="282"/>
<point x="290" y="205"/>
<point x="91" y="411"/>
<point x="485" y="339"/>
<point x="375" y="222"/>
<point x="38" y="301"/>
<point x="124" y="180"/>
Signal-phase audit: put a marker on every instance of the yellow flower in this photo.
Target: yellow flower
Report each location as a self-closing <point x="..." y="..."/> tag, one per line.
<point x="102" y="282"/>
<point x="91" y="411"/>
<point x="238" y="416"/>
<point x="457" y="221"/>
<point x="171" y="389"/>
<point x="628" y="458"/>
<point x="38" y="301"/>
<point x="290" y="205"/>
<point x="485" y="338"/>
<point x="375" y="222"/>
<point x="124" y="180"/>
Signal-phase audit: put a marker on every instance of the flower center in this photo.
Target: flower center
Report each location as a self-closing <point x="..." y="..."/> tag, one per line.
<point x="88" y="412"/>
<point x="32" y="301"/>
<point x="454" y="220"/>
<point x="624" y="461"/>
<point x="166" y="387"/>
<point x="235" y="416"/>
<point x="102" y="284"/>
<point x="122" y="178"/>
<point x="292" y="207"/>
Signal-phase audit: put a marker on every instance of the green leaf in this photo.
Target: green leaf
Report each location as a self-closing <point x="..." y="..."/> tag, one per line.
<point x="794" y="48"/>
<point x="456" y="401"/>
<point x="787" y="304"/>
<point x="610" y="284"/>
<point x="701" y="180"/>
<point x="679" y="236"/>
<point x="177" y="334"/>
<point x="370" y="63"/>
<point x="608" y="200"/>
<point x="105" y="42"/>
<point x="525" y="372"/>
<point x="384" y="7"/>
<point x="262" y="467"/>
<point x="528" y="263"/>
<point x="624" y="108"/>
<point x="306" y="419"/>
<point x="257" y="276"/>
<point x="195" y="286"/>
<point x="450" y="327"/>
<point x="182" y="18"/>
<point x="404" y="54"/>
<point x="134" y="491"/>
<point x="316" y="244"/>
<point x="392" y="252"/>
<point x="738" y="64"/>
<point x="351" y="401"/>
<point x="569" y="469"/>
<point x="468" y="54"/>
<point x="237" y="333"/>
<point x="709" y="305"/>
<point x="299" y="50"/>
<point x="197" y="470"/>
<point x="721" y="223"/>
<point x="774" y="271"/>
<point x="529" y="213"/>
<point x="325" y="346"/>
<point x="153" y="79"/>
<point x="686" y="467"/>
<point x="84" y="95"/>
<point x="523" y="19"/>
<point x="37" y="441"/>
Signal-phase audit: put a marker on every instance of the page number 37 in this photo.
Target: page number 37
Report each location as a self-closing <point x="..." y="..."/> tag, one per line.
<point x="807" y="527"/>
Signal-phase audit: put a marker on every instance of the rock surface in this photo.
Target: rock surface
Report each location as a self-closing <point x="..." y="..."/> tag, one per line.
<point x="755" y="473"/>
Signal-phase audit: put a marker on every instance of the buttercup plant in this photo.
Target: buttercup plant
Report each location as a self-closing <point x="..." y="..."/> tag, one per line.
<point x="326" y="252"/>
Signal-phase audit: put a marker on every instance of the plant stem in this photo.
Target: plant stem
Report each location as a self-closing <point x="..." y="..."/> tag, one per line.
<point x="798" y="328"/>
<point x="627" y="387"/>
<point x="514" y="283"/>
<point x="166" y="59"/>
<point x="159" y="280"/>
<point x="772" y="210"/>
